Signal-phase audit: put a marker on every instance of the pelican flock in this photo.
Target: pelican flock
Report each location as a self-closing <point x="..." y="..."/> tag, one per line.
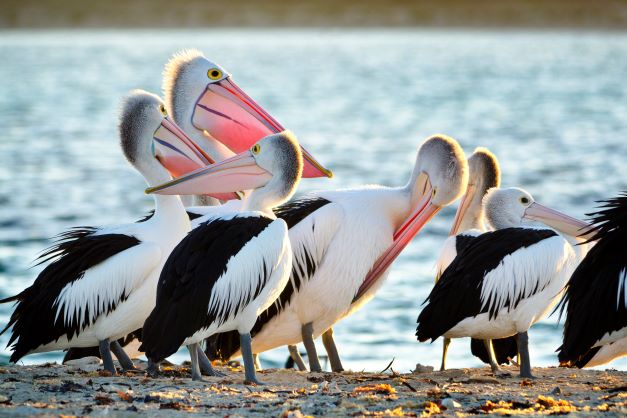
<point x="230" y="265"/>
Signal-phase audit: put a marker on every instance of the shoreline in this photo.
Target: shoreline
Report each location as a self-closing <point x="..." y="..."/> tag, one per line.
<point x="81" y="389"/>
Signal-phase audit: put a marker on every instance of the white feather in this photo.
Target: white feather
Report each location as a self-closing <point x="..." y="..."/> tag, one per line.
<point x="104" y="284"/>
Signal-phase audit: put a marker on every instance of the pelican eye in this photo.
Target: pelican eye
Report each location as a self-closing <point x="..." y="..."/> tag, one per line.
<point x="255" y="149"/>
<point x="524" y="200"/>
<point x="433" y="193"/>
<point x="162" y="110"/>
<point x="214" y="74"/>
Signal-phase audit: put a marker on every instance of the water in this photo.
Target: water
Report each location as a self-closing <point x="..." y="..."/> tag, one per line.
<point x="552" y="106"/>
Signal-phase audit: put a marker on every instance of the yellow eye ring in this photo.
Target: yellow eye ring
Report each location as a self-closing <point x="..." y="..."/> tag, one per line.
<point x="524" y="200"/>
<point x="162" y="110"/>
<point x="214" y="74"/>
<point x="255" y="149"/>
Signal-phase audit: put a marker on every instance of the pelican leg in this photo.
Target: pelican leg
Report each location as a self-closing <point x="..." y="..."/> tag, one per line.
<point x="329" y="345"/>
<point x="105" y="354"/>
<point x="205" y="364"/>
<point x="193" y="354"/>
<point x="295" y="355"/>
<point x="123" y="358"/>
<point x="246" y="348"/>
<point x="445" y="343"/>
<point x="310" y="346"/>
<point x="490" y="349"/>
<point x="257" y="362"/>
<point x="153" y="368"/>
<point x="522" y="339"/>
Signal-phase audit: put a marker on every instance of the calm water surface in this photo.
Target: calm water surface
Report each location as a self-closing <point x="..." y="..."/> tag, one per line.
<point x="552" y="106"/>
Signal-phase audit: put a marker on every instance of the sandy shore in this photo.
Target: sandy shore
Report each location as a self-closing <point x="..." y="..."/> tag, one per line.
<point x="54" y="390"/>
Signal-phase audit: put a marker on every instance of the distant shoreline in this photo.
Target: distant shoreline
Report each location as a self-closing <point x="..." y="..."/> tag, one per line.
<point x="196" y="14"/>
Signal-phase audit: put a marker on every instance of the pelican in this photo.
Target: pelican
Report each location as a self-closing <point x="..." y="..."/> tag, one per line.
<point x="484" y="174"/>
<point x="231" y="267"/>
<point x="205" y="101"/>
<point x="343" y="243"/>
<point x="100" y="284"/>
<point x="595" y="331"/>
<point x="506" y="280"/>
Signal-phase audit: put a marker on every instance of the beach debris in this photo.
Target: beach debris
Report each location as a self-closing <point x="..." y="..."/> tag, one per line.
<point x="65" y="386"/>
<point x="422" y="369"/>
<point x="177" y="406"/>
<point x="482" y="379"/>
<point x="126" y="396"/>
<point x="380" y="388"/>
<point x="450" y="403"/>
<point x="103" y="399"/>
<point x="388" y="366"/>
<point x="556" y="390"/>
<point x="405" y="383"/>
<point x="430" y="408"/>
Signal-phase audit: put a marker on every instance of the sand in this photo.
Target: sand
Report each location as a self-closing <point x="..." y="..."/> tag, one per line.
<point x="54" y="390"/>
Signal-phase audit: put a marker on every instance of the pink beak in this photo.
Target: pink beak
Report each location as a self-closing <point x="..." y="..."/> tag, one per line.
<point x="179" y="154"/>
<point x="236" y="120"/>
<point x="425" y="210"/>
<point x="461" y="210"/>
<point x="557" y="220"/>
<point x="240" y="172"/>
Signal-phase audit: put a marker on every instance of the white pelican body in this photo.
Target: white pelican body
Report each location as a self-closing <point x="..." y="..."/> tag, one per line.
<point x="339" y="238"/>
<point x="344" y="251"/>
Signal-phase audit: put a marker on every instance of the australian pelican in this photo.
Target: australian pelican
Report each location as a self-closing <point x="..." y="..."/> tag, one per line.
<point x="504" y="281"/>
<point x="484" y="174"/>
<point x="101" y="282"/>
<point x="231" y="267"/>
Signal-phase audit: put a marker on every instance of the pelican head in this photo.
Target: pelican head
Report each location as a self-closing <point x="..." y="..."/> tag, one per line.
<point x="202" y="96"/>
<point x="272" y="167"/>
<point x="507" y="208"/>
<point x="148" y="135"/>
<point x="439" y="178"/>
<point x="484" y="174"/>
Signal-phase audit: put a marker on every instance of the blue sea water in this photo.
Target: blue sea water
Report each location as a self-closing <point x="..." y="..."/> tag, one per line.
<point x="551" y="105"/>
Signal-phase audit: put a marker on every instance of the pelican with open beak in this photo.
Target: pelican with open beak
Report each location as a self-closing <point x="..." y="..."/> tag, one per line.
<point x="205" y="100"/>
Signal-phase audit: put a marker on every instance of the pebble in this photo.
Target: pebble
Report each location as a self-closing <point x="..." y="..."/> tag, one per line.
<point x="450" y="403"/>
<point x="422" y="369"/>
<point x="86" y="364"/>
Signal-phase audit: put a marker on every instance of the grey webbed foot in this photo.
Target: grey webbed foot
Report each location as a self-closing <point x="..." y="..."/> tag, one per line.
<point x="124" y="360"/>
<point x="522" y="339"/>
<point x="105" y="354"/>
<point x="310" y="346"/>
<point x="250" y="374"/>
<point x="195" y="368"/>
<point x="153" y="369"/>
<point x="205" y="365"/>
<point x="298" y="360"/>
<point x="334" y="356"/>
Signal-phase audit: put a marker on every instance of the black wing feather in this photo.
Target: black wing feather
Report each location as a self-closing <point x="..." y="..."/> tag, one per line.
<point x="224" y="345"/>
<point x="34" y="320"/>
<point x="596" y="304"/>
<point x="187" y="281"/>
<point x="457" y="295"/>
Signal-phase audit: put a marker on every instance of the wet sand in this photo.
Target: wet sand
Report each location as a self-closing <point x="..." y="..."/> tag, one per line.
<point x="53" y="390"/>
